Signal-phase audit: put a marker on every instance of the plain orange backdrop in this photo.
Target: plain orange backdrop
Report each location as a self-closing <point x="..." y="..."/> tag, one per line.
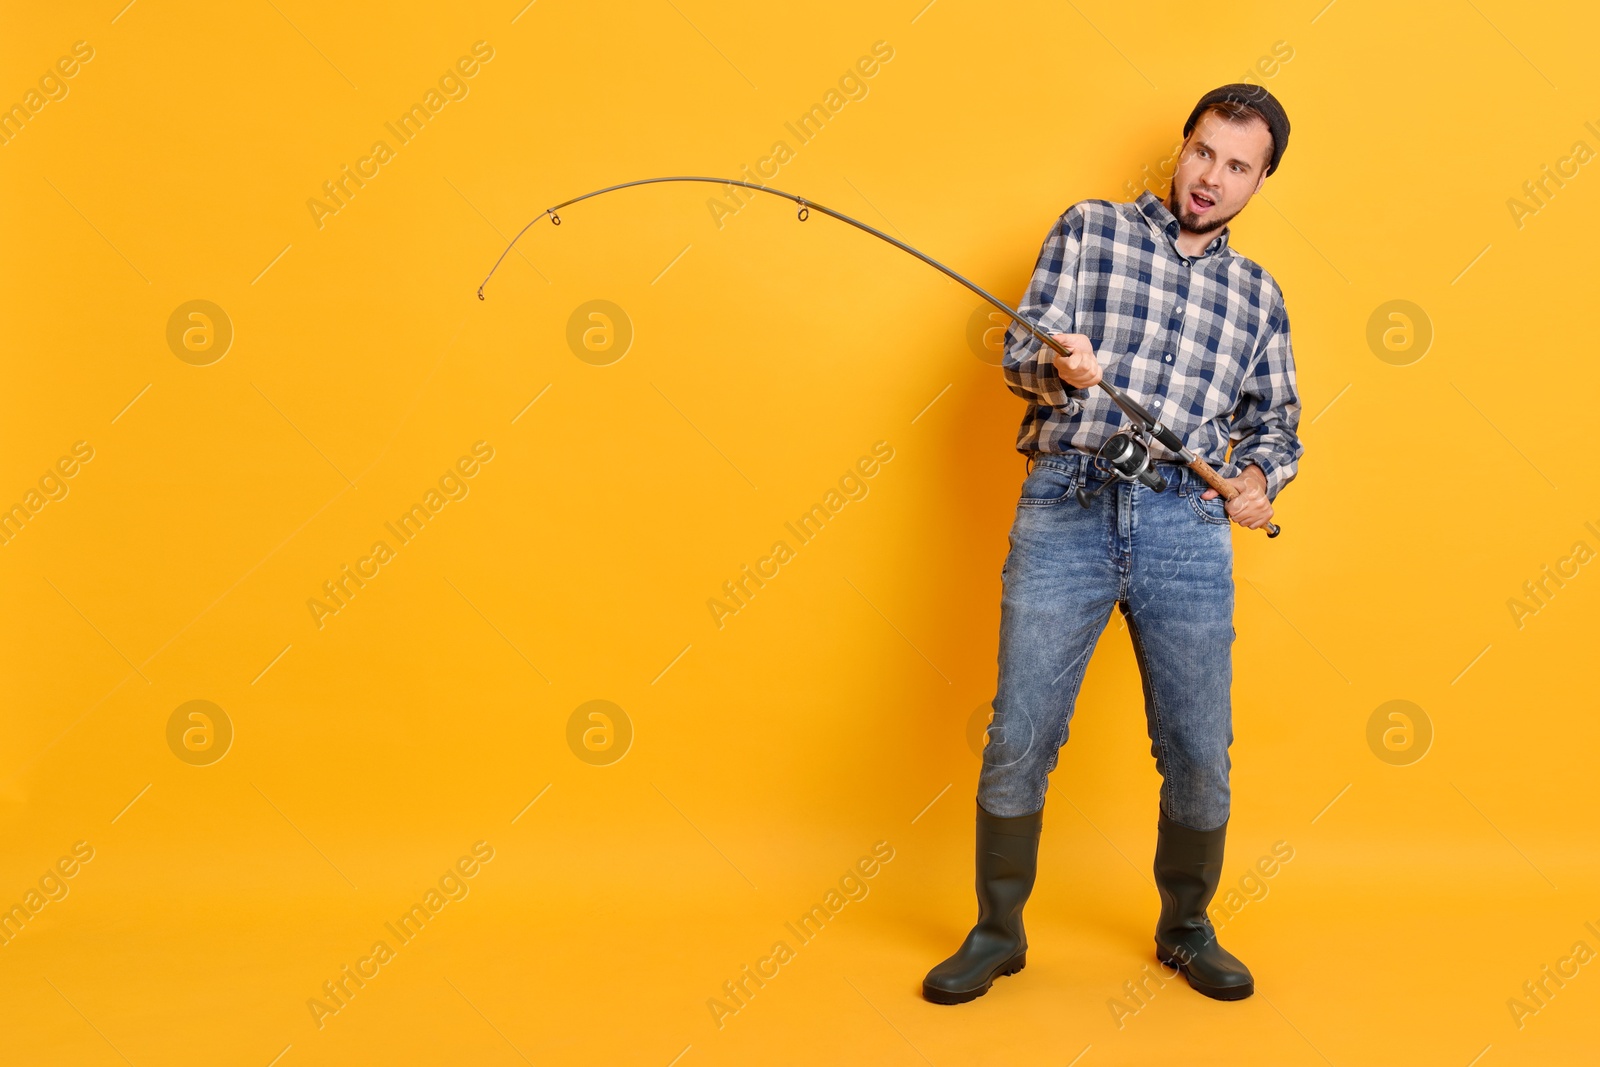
<point x="737" y="772"/>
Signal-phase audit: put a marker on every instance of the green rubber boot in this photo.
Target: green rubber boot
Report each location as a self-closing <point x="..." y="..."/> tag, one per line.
<point x="1007" y="860"/>
<point x="1188" y="865"/>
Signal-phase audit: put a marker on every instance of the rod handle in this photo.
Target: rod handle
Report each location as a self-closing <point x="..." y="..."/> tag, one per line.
<point x="1224" y="490"/>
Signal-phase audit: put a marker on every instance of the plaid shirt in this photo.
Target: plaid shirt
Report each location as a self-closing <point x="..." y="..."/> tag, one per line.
<point x="1201" y="341"/>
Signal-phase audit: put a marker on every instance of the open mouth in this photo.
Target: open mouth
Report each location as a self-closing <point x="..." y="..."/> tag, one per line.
<point x="1200" y="203"/>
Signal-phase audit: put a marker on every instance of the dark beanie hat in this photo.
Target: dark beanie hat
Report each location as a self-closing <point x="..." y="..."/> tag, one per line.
<point x="1257" y="97"/>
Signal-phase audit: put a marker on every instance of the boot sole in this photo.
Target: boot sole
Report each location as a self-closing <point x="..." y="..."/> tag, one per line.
<point x="961" y="996"/>
<point x="1233" y="992"/>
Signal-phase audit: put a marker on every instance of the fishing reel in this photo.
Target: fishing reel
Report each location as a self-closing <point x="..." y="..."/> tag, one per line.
<point x="1127" y="454"/>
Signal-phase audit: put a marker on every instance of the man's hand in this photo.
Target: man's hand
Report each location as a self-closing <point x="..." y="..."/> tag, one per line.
<point x="1250" y="508"/>
<point x="1081" y="369"/>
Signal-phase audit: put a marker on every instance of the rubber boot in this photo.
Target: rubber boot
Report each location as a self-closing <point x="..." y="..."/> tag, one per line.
<point x="1007" y="860"/>
<point x="1188" y="865"/>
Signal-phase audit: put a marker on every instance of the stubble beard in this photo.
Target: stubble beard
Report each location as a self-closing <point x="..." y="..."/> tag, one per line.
<point x="1189" y="220"/>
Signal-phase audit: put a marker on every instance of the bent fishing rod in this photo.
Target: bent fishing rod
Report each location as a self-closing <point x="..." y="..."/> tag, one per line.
<point x="1127" y="453"/>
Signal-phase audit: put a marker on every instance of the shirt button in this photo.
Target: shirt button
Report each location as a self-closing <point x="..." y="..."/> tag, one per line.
<point x="1169" y="357"/>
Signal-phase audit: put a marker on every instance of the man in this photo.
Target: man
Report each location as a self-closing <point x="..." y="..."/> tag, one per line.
<point x="1150" y="294"/>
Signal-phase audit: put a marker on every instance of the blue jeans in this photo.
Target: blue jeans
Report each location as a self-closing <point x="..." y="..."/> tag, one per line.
<point x="1166" y="561"/>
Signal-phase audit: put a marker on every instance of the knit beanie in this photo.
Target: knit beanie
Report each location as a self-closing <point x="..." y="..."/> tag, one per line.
<point x="1257" y="97"/>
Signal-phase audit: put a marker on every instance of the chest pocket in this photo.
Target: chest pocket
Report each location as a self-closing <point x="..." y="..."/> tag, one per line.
<point x="1115" y="319"/>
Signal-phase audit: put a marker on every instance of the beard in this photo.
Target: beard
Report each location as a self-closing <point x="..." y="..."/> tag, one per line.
<point x="1214" y="220"/>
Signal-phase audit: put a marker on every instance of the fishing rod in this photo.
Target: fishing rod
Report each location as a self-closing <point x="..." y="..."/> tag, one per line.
<point x="1127" y="453"/>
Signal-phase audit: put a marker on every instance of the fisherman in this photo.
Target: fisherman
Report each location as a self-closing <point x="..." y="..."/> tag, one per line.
<point x="1150" y="294"/>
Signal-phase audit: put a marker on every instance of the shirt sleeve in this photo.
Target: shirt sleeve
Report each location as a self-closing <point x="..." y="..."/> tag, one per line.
<point x="1267" y="416"/>
<point x="1048" y="303"/>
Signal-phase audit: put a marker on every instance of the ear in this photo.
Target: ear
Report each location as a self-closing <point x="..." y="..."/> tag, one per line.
<point x="1259" y="182"/>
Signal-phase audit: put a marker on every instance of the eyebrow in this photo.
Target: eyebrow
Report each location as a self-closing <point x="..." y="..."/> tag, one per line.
<point x="1207" y="147"/>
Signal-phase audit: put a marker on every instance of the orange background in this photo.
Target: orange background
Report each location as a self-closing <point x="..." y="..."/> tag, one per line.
<point x="640" y="861"/>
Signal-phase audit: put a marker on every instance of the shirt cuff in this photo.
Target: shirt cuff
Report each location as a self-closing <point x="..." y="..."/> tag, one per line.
<point x="1277" y="477"/>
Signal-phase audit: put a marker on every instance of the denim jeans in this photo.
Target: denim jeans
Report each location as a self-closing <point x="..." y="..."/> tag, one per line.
<point x="1165" y="560"/>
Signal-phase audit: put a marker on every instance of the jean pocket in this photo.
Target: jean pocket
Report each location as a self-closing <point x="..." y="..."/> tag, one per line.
<point x="1214" y="510"/>
<point x="1044" y="487"/>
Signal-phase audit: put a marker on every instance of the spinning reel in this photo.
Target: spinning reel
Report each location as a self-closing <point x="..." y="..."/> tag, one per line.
<point x="1127" y="454"/>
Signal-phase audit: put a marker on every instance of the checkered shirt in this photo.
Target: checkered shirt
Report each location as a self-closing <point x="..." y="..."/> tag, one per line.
<point x="1201" y="341"/>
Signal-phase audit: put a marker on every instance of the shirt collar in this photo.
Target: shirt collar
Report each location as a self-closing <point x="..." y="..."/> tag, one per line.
<point x="1160" y="218"/>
